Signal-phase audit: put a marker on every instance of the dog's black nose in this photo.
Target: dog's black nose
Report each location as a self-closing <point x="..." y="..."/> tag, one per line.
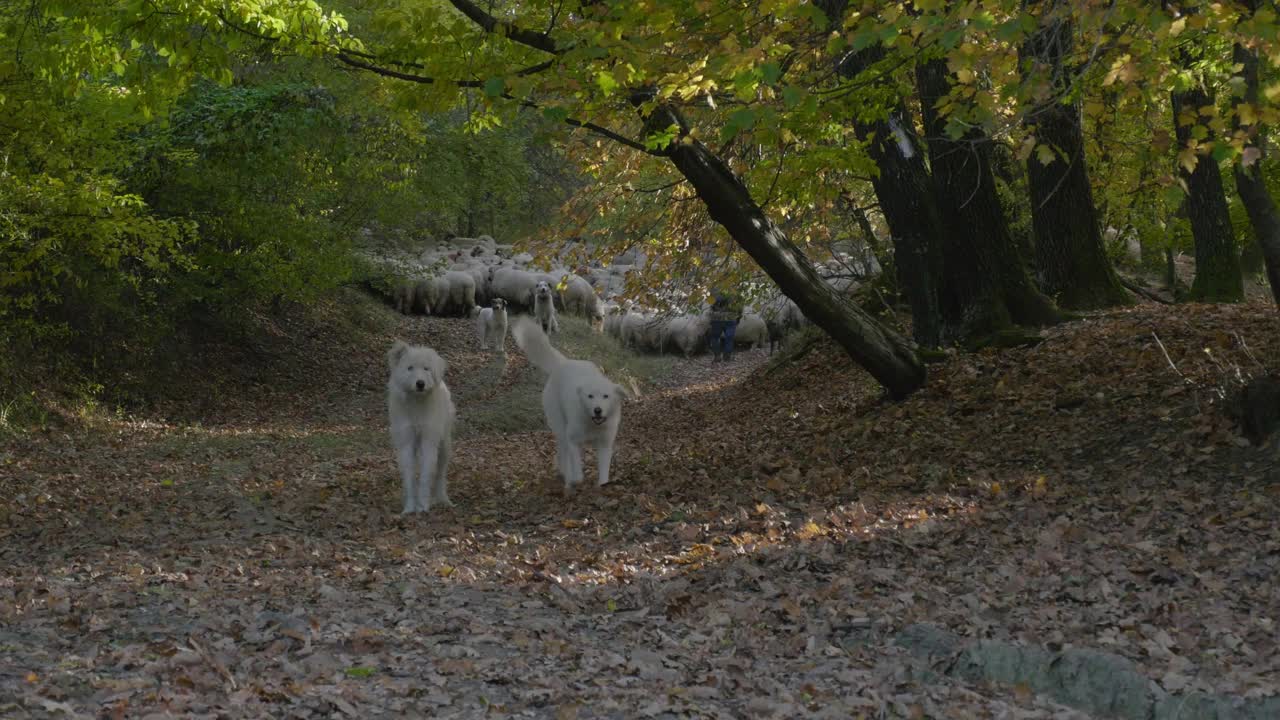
<point x="422" y="384"/>
<point x="599" y="412"/>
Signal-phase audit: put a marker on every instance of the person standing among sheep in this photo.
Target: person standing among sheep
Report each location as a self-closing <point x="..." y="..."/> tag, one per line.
<point x="726" y="311"/>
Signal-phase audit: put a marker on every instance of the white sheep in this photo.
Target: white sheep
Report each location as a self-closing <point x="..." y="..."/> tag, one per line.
<point x="462" y="292"/>
<point x="751" y="330"/>
<point x="686" y="333"/>
<point x="514" y="286"/>
<point x="581" y="299"/>
<point x="431" y="294"/>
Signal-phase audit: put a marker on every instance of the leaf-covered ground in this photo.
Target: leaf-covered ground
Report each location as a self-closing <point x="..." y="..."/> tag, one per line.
<point x="236" y="551"/>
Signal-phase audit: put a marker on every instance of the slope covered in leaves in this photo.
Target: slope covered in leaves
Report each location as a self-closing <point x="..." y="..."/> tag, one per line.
<point x="235" y="550"/>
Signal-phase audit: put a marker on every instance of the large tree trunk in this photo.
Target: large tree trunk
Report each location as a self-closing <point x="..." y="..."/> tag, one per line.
<point x="1070" y="255"/>
<point x="884" y="353"/>
<point x="986" y="286"/>
<point x="1217" y="264"/>
<point x="903" y="190"/>
<point x="1258" y="202"/>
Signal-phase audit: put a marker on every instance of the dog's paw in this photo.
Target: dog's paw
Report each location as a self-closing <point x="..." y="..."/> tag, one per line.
<point x="443" y="502"/>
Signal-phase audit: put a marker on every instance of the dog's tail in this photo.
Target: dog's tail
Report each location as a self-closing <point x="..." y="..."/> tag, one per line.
<point x="535" y="343"/>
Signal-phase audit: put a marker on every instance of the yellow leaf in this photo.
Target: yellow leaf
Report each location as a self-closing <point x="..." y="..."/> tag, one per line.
<point x="995" y="488"/>
<point x="445" y="570"/>
<point x="1045" y="154"/>
<point x="1177" y="27"/>
<point x="1187" y="159"/>
<point x="1024" y="150"/>
<point x="1248" y="115"/>
<point x="571" y="524"/>
<point x="32" y="678"/>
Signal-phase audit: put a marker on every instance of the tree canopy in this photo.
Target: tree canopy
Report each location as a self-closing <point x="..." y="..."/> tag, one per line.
<point x="147" y="142"/>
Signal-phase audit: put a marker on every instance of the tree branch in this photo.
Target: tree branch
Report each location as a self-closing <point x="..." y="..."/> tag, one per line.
<point x="490" y="24"/>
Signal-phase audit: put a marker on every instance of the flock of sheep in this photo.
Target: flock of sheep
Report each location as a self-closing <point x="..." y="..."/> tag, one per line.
<point x="457" y="276"/>
<point x="461" y="274"/>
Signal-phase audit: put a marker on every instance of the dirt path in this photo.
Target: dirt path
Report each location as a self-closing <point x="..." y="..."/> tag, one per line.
<point x="764" y="543"/>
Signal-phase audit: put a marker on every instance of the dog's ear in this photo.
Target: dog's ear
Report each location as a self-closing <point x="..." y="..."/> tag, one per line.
<point x="439" y="366"/>
<point x="396" y="352"/>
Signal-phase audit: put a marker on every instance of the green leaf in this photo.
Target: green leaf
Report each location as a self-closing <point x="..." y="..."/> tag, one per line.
<point x="361" y="671"/>
<point x="494" y="87"/>
<point x="771" y="72"/>
<point x="606" y="82"/>
<point x="555" y="114"/>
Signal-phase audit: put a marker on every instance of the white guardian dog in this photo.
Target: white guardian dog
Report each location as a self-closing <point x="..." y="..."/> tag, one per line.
<point x="544" y="307"/>
<point x="581" y="404"/>
<point x="422" y="416"/>
<point x="491" y="326"/>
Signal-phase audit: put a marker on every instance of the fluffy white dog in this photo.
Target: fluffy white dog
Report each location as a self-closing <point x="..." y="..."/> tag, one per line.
<point x="422" y="415"/>
<point x="581" y="404"/>
<point x="491" y="326"/>
<point x="544" y="307"/>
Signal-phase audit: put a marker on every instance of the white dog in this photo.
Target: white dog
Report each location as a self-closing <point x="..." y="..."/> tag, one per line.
<point x="544" y="307"/>
<point x="422" y="415"/>
<point x="491" y="326"/>
<point x="581" y="404"/>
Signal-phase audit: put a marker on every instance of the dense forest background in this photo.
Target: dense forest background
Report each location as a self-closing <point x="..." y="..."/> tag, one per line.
<point x="172" y="168"/>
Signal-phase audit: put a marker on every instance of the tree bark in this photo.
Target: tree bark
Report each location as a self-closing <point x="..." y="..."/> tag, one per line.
<point x="884" y="353"/>
<point x="902" y="188"/>
<point x="1070" y="255"/>
<point x="1217" y="263"/>
<point x="1258" y="203"/>
<point x="986" y="286"/>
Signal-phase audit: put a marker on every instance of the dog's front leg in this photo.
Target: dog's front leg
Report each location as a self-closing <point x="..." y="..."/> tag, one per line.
<point x="604" y="458"/>
<point x="440" y="489"/>
<point x="427" y="471"/>
<point x="573" y="464"/>
<point x="405" y="457"/>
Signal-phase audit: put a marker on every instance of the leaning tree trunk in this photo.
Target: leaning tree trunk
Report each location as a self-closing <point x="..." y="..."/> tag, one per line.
<point x="884" y="353"/>
<point x="986" y="286"/>
<point x="1070" y="255"/>
<point x="1258" y="203"/>
<point x="1217" y="264"/>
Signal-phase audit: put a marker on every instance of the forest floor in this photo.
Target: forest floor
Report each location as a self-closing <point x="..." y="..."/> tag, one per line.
<point x="236" y="551"/>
